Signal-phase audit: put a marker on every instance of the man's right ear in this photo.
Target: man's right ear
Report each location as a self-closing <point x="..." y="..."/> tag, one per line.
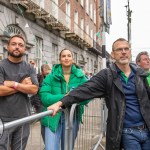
<point x="138" y="63"/>
<point x="112" y="55"/>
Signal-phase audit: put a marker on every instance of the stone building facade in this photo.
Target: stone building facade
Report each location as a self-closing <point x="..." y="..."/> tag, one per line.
<point x="51" y="25"/>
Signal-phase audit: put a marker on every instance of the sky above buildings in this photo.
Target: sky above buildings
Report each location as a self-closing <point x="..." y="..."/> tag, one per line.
<point x="140" y="25"/>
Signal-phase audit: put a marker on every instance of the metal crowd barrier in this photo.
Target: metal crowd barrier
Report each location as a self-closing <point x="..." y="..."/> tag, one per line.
<point x="19" y="122"/>
<point x="22" y="121"/>
<point x="90" y="133"/>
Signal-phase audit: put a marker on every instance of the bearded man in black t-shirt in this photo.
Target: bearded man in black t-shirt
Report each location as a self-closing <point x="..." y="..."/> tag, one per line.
<point x="17" y="80"/>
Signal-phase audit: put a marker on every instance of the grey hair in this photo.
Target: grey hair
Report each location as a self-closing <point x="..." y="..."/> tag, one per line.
<point x="138" y="57"/>
<point x="118" y="40"/>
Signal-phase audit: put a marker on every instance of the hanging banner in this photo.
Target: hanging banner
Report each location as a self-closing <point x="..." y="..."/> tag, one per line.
<point x="98" y="34"/>
<point x="105" y="11"/>
<point x="102" y="8"/>
<point x="108" y="12"/>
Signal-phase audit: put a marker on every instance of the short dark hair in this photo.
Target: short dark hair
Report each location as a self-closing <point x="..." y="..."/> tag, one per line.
<point x="138" y="57"/>
<point x="118" y="40"/>
<point x="17" y="35"/>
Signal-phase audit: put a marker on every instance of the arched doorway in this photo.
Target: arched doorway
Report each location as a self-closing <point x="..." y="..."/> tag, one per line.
<point x="9" y="31"/>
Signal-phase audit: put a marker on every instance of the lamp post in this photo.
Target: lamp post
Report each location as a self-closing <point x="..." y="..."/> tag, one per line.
<point x="129" y="11"/>
<point x="103" y="25"/>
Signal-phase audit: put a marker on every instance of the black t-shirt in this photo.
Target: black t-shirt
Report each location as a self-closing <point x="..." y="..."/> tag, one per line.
<point x="16" y="105"/>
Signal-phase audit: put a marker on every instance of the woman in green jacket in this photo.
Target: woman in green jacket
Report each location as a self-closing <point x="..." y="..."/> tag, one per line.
<point x="64" y="77"/>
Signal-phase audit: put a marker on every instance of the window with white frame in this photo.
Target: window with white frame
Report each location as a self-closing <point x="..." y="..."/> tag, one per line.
<point x="38" y="52"/>
<point x="68" y="9"/>
<point x="55" y="8"/>
<point x="75" y="57"/>
<point x="54" y="54"/>
<point x="82" y="3"/>
<point x="76" y="22"/>
<point x="82" y="28"/>
<point x="87" y="29"/>
<point x="82" y="23"/>
<point x="91" y="33"/>
<point x="68" y="21"/>
<point x="76" y="17"/>
<point x="91" y="11"/>
<point x="94" y="16"/>
<point x="39" y="47"/>
<point x="42" y="3"/>
<point x="87" y="6"/>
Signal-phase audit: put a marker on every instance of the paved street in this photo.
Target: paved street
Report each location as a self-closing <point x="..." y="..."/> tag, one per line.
<point x="88" y="135"/>
<point x="35" y="141"/>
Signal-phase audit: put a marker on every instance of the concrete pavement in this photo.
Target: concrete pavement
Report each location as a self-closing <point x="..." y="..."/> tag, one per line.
<point x="35" y="141"/>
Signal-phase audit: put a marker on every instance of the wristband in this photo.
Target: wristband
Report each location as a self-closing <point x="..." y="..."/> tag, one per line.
<point x="15" y="85"/>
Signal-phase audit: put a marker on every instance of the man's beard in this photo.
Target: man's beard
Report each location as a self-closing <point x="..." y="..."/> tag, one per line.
<point x="15" y="56"/>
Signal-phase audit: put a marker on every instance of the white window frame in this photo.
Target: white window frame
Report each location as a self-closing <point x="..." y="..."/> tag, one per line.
<point x="87" y="6"/>
<point x="55" y="54"/>
<point x="76" y="22"/>
<point x="76" y="17"/>
<point x="91" y="33"/>
<point x="75" y="57"/>
<point x="82" y="3"/>
<point x="82" y="24"/>
<point x="87" y="29"/>
<point x="42" y="3"/>
<point x="38" y="52"/>
<point x="91" y="11"/>
<point x="55" y="8"/>
<point x="94" y="16"/>
<point x="68" y="21"/>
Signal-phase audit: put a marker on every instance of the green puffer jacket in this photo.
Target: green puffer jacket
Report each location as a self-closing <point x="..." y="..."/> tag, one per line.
<point x="54" y="88"/>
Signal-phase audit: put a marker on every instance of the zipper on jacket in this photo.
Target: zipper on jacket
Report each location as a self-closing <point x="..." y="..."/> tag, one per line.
<point x="67" y="91"/>
<point x="122" y="113"/>
<point x="137" y="82"/>
<point x="121" y="118"/>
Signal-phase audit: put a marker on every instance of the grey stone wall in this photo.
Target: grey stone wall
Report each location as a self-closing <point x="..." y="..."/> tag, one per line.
<point x="35" y="27"/>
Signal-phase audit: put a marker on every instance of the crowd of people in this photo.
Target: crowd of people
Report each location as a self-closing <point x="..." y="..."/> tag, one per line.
<point x="124" y="85"/>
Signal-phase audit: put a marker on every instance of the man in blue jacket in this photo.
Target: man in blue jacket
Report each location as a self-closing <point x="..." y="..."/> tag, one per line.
<point x="124" y="87"/>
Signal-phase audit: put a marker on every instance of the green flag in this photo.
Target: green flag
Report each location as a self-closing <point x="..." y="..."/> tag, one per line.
<point x="98" y="34"/>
